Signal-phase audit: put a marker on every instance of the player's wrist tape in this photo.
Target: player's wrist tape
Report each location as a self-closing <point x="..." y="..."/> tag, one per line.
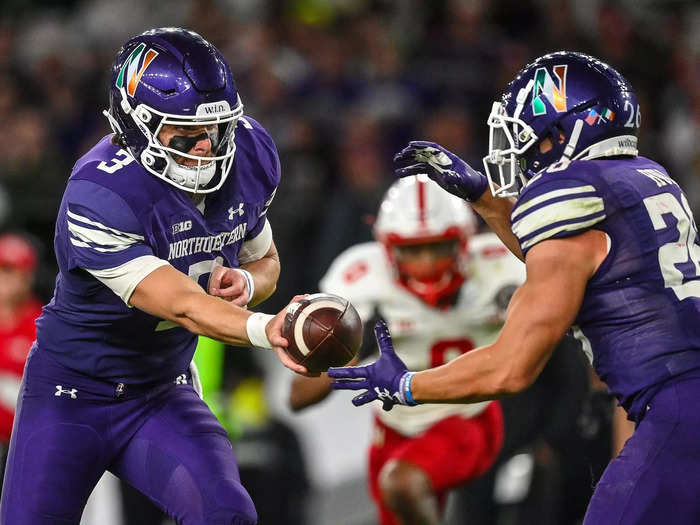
<point x="249" y="282"/>
<point x="255" y="327"/>
<point x="405" y="388"/>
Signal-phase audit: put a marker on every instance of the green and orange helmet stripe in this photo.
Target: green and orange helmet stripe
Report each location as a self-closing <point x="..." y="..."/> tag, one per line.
<point x="131" y="72"/>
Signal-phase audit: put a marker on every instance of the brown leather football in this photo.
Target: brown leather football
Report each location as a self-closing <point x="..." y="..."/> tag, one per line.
<point x="323" y="330"/>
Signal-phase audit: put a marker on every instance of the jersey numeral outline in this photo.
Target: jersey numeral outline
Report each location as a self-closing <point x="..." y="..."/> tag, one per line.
<point x="683" y="250"/>
<point x="117" y="163"/>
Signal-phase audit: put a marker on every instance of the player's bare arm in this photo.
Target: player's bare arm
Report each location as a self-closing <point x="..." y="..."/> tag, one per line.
<point x="307" y="391"/>
<point x="537" y="319"/>
<point x="232" y="285"/>
<point x="496" y="212"/>
<point x="171" y="295"/>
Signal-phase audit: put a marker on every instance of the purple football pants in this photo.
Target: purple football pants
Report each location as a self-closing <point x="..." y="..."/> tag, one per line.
<point x="163" y="440"/>
<point x="656" y="477"/>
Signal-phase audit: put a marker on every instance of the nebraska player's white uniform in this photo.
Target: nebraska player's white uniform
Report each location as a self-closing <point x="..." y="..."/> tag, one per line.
<point x="426" y="337"/>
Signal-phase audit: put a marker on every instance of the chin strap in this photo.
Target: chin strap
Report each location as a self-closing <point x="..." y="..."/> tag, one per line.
<point x="573" y="140"/>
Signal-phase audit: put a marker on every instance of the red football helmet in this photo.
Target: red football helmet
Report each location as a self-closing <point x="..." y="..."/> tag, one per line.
<point x="425" y="232"/>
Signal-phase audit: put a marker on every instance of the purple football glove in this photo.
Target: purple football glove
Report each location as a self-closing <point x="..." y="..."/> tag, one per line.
<point x="442" y="166"/>
<point x="387" y="379"/>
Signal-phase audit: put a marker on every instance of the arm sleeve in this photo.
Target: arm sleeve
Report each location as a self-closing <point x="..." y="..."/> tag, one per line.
<point x="123" y="279"/>
<point x="555" y="207"/>
<point x="255" y="248"/>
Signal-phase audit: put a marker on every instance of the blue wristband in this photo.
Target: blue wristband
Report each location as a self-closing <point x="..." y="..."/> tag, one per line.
<point x="407" y="389"/>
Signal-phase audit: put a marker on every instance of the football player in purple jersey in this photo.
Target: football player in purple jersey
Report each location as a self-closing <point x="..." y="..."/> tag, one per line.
<point x="171" y="204"/>
<point x="612" y="253"/>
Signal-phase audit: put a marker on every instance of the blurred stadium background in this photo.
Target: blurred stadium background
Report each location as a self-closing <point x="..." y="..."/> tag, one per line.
<point x="341" y="85"/>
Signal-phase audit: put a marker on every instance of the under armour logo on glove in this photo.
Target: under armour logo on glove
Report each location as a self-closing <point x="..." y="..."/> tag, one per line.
<point x="387" y="379"/>
<point x="387" y="398"/>
<point x="444" y="167"/>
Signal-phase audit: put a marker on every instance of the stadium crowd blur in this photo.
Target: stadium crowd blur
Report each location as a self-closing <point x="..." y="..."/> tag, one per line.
<point x="341" y="85"/>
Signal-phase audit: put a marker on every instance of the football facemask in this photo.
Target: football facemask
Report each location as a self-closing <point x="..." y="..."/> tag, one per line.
<point x="563" y="94"/>
<point x="432" y="271"/>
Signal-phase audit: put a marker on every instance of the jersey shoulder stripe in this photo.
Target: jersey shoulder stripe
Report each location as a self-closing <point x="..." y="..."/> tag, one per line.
<point x="555" y="206"/>
<point x="97" y="228"/>
<point x="87" y="233"/>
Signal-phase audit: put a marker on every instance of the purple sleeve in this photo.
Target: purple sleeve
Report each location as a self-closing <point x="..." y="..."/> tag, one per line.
<point x="556" y="206"/>
<point x="100" y="230"/>
<point x="264" y="173"/>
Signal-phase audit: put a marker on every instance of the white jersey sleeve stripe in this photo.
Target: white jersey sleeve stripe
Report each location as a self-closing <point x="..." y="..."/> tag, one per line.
<point x="85" y="220"/>
<point x="81" y="244"/>
<point x="99" y="237"/>
<point x="255" y="248"/>
<point x="550" y="215"/>
<point x="566" y="227"/>
<point x="548" y="196"/>
<point x="123" y="279"/>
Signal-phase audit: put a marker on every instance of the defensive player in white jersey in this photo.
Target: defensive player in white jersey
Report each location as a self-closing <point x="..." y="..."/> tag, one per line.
<point x="443" y="291"/>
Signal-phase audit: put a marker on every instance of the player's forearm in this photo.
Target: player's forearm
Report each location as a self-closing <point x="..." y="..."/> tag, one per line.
<point x="212" y="317"/>
<point x="171" y="295"/>
<point x="483" y="376"/>
<point x="307" y="391"/>
<point x="535" y="323"/>
<point x="265" y="272"/>
<point x="496" y="212"/>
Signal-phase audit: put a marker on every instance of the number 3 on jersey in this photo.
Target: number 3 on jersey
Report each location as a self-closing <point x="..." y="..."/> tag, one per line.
<point x="683" y="250"/>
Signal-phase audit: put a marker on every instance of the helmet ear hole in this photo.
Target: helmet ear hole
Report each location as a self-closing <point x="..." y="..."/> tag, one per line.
<point x="148" y="159"/>
<point x="143" y="115"/>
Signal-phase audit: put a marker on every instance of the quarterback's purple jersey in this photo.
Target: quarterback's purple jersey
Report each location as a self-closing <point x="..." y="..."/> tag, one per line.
<point x="114" y="211"/>
<point x="640" y="317"/>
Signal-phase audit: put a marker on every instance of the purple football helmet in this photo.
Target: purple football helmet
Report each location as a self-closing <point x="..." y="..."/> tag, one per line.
<point x="586" y="108"/>
<point x="173" y="76"/>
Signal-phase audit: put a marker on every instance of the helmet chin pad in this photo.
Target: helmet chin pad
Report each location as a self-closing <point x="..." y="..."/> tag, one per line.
<point x="190" y="177"/>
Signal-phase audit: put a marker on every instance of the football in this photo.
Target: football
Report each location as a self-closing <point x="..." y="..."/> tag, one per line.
<point x="323" y="330"/>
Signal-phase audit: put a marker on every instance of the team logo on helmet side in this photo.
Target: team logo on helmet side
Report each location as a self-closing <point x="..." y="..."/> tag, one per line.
<point x="134" y="68"/>
<point x="544" y="87"/>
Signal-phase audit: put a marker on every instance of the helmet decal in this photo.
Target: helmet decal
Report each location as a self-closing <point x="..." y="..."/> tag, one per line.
<point x="133" y="72"/>
<point x="594" y="117"/>
<point x="544" y="86"/>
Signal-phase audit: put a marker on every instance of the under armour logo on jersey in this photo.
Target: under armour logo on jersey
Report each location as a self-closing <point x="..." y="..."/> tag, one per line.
<point x="181" y="380"/>
<point x="71" y="392"/>
<point x="232" y="211"/>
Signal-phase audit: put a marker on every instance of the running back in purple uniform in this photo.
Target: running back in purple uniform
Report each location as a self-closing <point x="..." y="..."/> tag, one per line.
<point x="611" y="251"/>
<point x="650" y="274"/>
<point x="149" y="217"/>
